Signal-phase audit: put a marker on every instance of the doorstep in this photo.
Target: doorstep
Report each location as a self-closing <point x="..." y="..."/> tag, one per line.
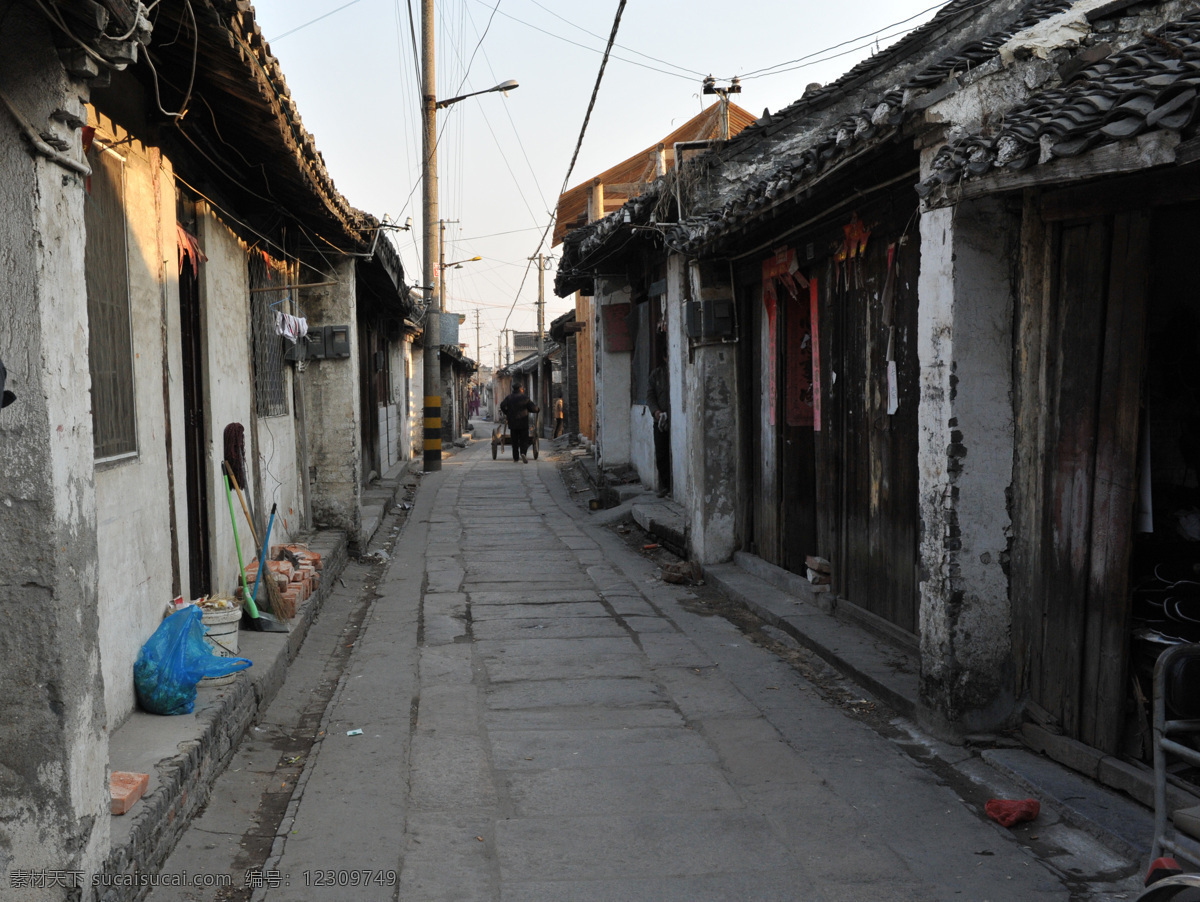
<point x="379" y="498"/>
<point x="184" y="754"/>
<point x="665" y="520"/>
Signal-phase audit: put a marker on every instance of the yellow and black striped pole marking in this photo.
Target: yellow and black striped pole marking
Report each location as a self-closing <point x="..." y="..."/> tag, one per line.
<point x="433" y="432"/>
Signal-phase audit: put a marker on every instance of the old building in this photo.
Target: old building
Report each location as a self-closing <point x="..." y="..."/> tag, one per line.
<point x="927" y="323"/>
<point x="169" y="231"/>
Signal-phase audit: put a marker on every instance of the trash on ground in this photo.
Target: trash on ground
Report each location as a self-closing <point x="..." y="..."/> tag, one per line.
<point x="354" y="732"/>
<point x="1008" y="812"/>
<point x="650" y="546"/>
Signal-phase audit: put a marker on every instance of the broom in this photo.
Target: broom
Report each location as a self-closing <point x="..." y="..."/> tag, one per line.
<point x="273" y="598"/>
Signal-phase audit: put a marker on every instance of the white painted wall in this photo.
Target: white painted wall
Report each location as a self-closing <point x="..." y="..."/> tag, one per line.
<point x="134" y="530"/>
<point x="229" y="393"/>
<point x="965" y="461"/>
<point x="613" y="419"/>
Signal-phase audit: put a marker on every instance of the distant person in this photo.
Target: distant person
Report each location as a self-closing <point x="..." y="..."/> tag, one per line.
<point x="516" y="409"/>
<point x="558" y="417"/>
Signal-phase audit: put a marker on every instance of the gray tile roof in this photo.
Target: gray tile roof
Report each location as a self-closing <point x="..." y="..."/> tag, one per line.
<point x="1153" y="84"/>
<point x="877" y="118"/>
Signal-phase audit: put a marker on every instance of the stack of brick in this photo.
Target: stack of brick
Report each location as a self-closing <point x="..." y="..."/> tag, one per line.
<point x="297" y="581"/>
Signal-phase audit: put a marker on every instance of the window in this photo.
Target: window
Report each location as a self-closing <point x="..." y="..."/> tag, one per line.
<point x="110" y="336"/>
<point x="269" y="387"/>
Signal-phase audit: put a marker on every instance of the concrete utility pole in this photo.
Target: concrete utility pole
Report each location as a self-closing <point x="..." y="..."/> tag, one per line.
<point x="543" y="395"/>
<point x="429" y="228"/>
<point x="429" y="225"/>
<point x="478" y="346"/>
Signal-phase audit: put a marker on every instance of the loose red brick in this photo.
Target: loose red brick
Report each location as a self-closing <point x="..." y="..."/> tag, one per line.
<point x="124" y="789"/>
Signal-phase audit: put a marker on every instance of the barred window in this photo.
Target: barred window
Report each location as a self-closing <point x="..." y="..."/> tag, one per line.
<point x="270" y="393"/>
<point x="110" y="333"/>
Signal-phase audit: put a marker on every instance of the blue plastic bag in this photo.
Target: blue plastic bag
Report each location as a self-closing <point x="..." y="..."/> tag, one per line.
<point x="174" y="660"/>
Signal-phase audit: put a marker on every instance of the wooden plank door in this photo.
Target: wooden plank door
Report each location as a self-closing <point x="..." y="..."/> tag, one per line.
<point x="1095" y="335"/>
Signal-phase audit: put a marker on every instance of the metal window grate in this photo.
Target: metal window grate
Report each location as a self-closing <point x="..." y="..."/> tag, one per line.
<point x="110" y="334"/>
<point x="270" y="392"/>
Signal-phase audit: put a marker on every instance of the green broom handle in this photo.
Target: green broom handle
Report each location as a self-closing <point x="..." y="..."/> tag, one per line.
<point x="251" y="608"/>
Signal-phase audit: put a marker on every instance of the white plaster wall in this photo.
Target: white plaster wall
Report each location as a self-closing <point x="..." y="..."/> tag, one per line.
<point x="229" y="392"/>
<point x="641" y="441"/>
<point x="54" y="758"/>
<point x="135" y="552"/>
<point x="965" y="460"/>
<point x="709" y="428"/>
<point x="416" y="400"/>
<point x="613" y="417"/>
<point x="279" y="470"/>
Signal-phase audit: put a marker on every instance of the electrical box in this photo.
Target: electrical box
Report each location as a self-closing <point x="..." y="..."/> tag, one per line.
<point x="710" y="318"/>
<point x="310" y="347"/>
<point x="337" y="341"/>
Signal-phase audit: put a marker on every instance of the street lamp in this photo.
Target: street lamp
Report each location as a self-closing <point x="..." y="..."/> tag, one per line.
<point x="433" y="325"/>
<point x="503" y="88"/>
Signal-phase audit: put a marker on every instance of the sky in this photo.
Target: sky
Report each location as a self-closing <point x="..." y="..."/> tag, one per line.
<point x="502" y="159"/>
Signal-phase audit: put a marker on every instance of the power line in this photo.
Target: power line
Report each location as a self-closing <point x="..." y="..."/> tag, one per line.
<point x="769" y="70"/>
<point x="607" y="53"/>
<point x="280" y="37"/>
<point x="578" y="144"/>
<point x="622" y="46"/>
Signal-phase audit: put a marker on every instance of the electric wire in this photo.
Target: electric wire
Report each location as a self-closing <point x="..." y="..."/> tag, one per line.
<point x="578" y="144"/>
<point x="622" y="46"/>
<point x="280" y="37"/>
<point x="769" y="70"/>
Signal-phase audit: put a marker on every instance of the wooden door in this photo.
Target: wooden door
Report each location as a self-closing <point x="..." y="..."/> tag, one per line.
<point x="1075" y="614"/>
<point x="875" y="558"/>
<point x="195" y="440"/>
<point x="795" y="418"/>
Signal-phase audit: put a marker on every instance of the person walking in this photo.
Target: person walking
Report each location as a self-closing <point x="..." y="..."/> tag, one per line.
<point x="516" y="408"/>
<point x="558" y="417"/>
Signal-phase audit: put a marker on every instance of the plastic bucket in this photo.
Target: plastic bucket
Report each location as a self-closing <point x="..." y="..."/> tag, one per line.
<point x="222" y="635"/>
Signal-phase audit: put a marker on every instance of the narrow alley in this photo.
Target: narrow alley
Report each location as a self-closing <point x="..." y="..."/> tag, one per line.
<point x="527" y="712"/>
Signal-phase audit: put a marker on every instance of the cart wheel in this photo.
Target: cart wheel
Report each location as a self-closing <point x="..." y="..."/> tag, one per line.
<point x="535" y="447"/>
<point x="493" y="450"/>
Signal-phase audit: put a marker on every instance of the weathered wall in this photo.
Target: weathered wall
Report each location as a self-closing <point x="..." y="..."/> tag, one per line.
<point x="54" y="755"/>
<point x="332" y="401"/>
<point x="709" y="420"/>
<point x="229" y="383"/>
<point x="965" y="463"/>
<point x="415" y="395"/>
<point x="137" y="558"/>
<point x="586" y="343"/>
<point x="612" y="375"/>
<point x="278" y="468"/>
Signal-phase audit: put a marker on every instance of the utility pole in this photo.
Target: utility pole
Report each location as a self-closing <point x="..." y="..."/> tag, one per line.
<point x="478" y="346"/>
<point x="429" y="225"/>
<point x="543" y="396"/>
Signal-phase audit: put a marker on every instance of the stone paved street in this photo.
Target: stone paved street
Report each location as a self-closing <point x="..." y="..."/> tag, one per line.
<point x="543" y="720"/>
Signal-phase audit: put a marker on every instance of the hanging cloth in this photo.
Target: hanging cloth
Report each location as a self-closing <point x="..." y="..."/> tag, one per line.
<point x="189" y="248"/>
<point x="293" y="328"/>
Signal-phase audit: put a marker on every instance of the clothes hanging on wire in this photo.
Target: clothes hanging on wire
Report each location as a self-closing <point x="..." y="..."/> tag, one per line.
<point x="293" y="328"/>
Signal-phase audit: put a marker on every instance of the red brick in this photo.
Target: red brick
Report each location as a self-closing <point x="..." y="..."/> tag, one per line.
<point x="124" y="789"/>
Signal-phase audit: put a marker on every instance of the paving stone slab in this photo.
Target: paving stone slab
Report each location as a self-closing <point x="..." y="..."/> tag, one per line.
<point x="443" y="860"/>
<point x="449" y="772"/>
<point x="532" y="596"/>
<point x="626" y="789"/>
<point x="539" y="649"/>
<point x="589" y="848"/>
<point x="673" y="650"/>
<point x="535" y="628"/>
<point x="573" y="719"/>
<point x="593" y="665"/>
<point x="604" y="748"/>
<point x="761" y="886"/>
<point x="611" y="693"/>
<point x="521" y="610"/>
